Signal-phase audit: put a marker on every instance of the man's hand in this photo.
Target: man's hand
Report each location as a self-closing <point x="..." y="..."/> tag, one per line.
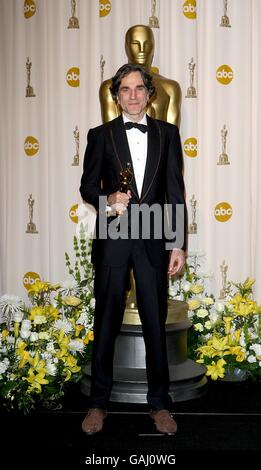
<point x="176" y="262"/>
<point x="118" y="200"/>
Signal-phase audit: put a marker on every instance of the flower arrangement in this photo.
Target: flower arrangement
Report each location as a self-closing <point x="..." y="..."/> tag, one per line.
<point x="225" y="336"/>
<point x="44" y="345"/>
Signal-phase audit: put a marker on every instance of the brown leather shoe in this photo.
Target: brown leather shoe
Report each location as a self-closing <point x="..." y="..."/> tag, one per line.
<point x="93" y="421"/>
<point x="164" y="422"/>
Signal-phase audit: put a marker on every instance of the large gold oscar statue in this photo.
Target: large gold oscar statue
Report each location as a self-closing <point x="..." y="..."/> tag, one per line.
<point x="165" y="105"/>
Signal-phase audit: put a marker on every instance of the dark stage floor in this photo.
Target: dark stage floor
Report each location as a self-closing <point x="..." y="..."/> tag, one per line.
<point x="222" y="426"/>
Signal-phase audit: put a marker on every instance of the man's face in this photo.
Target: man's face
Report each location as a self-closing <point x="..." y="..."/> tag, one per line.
<point x="139" y="46"/>
<point x="133" y="96"/>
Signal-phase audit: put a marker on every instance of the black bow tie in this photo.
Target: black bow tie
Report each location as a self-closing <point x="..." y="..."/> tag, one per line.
<point x="129" y="125"/>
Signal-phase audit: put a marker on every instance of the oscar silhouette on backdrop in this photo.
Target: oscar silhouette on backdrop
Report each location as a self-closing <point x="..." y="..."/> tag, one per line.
<point x="165" y="105"/>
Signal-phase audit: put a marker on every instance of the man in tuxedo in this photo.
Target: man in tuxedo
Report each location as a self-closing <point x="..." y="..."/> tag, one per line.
<point x="152" y="150"/>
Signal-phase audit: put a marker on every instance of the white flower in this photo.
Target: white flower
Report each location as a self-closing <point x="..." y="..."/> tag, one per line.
<point x="46" y="356"/>
<point x="202" y="313"/>
<point x="256" y="348"/>
<point x="50" y="346"/>
<point x="25" y="333"/>
<point x="253" y="334"/>
<point x="178" y="297"/>
<point x="10" y="339"/>
<point x="51" y="368"/>
<point x="39" y="319"/>
<point x="213" y="316"/>
<point x="44" y="335"/>
<point x="207" y="336"/>
<point x="208" y="325"/>
<point x="219" y="306"/>
<point x="83" y="318"/>
<point x="4" y="365"/>
<point x="172" y="290"/>
<point x="34" y="337"/>
<point x="9" y="304"/>
<point x="26" y="324"/>
<point x="207" y="301"/>
<point x="198" y="327"/>
<point x="92" y="303"/>
<point x="186" y="286"/>
<point x="76" y="345"/>
<point x="69" y="287"/>
<point x="242" y="341"/>
<point x="251" y="359"/>
<point x="17" y="317"/>
<point x="63" y="325"/>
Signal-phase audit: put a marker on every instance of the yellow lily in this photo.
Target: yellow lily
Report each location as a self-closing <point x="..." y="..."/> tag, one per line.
<point x="72" y="301"/>
<point x="197" y="288"/>
<point x="38" y="287"/>
<point x="36" y="380"/>
<point x="227" y="321"/>
<point x="193" y="304"/>
<point x="63" y="342"/>
<point x="78" y="329"/>
<point x="238" y="352"/>
<point x="216" y="370"/>
<point x="35" y="311"/>
<point x="52" y="312"/>
<point x="5" y="333"/>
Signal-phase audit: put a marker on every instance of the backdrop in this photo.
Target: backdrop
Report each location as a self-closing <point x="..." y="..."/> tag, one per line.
<point x="54" y="55"/>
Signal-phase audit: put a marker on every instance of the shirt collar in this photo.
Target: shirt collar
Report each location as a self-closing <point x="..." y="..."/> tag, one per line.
<point x="143" y="120"/>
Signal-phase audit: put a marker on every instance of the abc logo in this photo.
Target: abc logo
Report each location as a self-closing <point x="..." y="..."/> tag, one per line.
<point x="73" y="76"/>
<point x="29" y="8"/>
<point x="191" y="147"/>
<point x="223" y="211"/>
<point x="30" y="278"/>
<point x="31" y="146"/>
<point x="74" y="213"/>
<point x="190" y="9"/>
<point x="105" y="7"/>
<point x="224" y="74"/>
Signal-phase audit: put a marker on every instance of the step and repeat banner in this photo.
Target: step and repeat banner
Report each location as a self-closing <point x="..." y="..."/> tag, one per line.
<point x="54" y="56"/>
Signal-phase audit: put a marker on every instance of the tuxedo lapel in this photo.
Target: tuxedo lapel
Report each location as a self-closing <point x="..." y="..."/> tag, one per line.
<point x="153" y="156"/>
<point x="121" y="148"/>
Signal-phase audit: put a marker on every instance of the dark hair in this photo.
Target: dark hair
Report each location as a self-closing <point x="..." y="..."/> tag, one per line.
<point x="125" y="70"/>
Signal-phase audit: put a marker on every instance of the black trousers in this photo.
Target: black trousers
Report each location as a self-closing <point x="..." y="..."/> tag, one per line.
<point x="111" y="284"/>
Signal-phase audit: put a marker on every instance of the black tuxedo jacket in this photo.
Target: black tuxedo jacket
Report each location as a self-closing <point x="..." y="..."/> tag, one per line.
<point x="107" y="153"/>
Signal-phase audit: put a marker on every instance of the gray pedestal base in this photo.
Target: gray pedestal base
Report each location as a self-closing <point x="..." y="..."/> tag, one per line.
<point x="187" y="378"/>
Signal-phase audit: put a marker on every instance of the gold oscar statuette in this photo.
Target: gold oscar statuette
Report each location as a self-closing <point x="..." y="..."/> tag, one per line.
<point x="193" y="226"/>
<point x="29" y="89"/>
<point x="31" y="227"/>
<point x="223" y="157"/>
<point x="125" y="181"/>
<point x="223" y="291"/>
<point x="73" y="21"/>
<point x="225" y="19"/>
<point x="76" y="157"/>
<point x="153" y="20"/>
<point x="191" y="91"/>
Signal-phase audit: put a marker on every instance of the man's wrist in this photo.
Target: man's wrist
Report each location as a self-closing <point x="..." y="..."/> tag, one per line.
<point x="179" y="250"/>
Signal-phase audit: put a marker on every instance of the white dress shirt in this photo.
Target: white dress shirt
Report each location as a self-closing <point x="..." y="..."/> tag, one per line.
<point x="138" y="144"/>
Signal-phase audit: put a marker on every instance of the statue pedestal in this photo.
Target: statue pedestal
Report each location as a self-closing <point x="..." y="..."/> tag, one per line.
<point x="187" y="378"/>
